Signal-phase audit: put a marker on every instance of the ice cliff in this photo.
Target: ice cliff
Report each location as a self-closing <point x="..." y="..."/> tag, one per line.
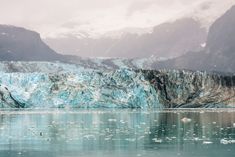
<point x="31" y="84"/>
<point x="54" y="84"/>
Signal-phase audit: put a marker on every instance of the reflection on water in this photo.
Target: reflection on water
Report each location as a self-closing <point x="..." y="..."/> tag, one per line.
<point x="117" y="133"/>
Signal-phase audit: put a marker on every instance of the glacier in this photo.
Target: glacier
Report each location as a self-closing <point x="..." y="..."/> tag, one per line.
<point x="63" y="85"/>
<point x="51" y="85"/>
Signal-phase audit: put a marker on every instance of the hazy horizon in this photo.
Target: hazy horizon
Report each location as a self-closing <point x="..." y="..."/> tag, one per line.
<point x="100" y="28"/>
<point x="93" y="18"/>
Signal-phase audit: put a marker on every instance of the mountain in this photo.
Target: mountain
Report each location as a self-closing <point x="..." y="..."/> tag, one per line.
<point x="21" y="44"/>
<point x="218" y="55"/>
<point x="221" y="37"/>
<point x="166" y="40"/>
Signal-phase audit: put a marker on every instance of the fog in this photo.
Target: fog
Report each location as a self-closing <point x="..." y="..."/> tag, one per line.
<point x="58" y="18"/>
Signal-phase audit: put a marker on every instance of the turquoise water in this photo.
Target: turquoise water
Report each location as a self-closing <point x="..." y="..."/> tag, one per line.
<point x="128" y="133"/>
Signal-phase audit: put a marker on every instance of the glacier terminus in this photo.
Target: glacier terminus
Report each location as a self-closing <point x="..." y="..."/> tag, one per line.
<point x="63" y="85"/>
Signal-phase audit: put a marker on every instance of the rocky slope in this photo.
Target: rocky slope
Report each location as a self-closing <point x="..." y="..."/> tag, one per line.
<point x="219" y="54"/>
<point x="188" y="89"/>
<point x="47" y="84"/>
<point x="19" y="44"/>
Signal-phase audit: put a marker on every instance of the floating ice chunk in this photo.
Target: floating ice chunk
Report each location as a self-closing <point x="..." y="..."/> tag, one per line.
<point x="89" y="137"/>
<point x="130" y="139"/>
<point x="141" y="137"/>
<point x="207" y="142"/>
<point x="186" y="120"/>
<point x="112" y="120"/>
<point x="122" y="122"/>
<point x="196" y="139"/>
<point x="225" y="141"/>
<point x="157" y="140"/>
<point x="107" y="138"/>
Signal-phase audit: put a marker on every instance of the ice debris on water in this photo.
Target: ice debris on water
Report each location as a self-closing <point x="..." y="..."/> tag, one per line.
<point x="186" y="120"/>
<point x="207" y="142"/>
<point x="225" y="141"/>
<point x="157" y="140"/>
<point x="112" y="120"/>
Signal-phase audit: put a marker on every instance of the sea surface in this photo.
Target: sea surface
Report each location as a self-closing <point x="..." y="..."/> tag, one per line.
<point x="117" y="133"/>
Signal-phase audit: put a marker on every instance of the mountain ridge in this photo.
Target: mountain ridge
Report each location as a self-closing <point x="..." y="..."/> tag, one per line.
<point x="17" y="43"/>
<point x="219" y="53"/>
<point x="166" y="40"/>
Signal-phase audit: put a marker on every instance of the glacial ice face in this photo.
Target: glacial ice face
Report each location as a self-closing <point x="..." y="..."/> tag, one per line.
<point x="54" y="84"/>
<point x="77" y="88"/>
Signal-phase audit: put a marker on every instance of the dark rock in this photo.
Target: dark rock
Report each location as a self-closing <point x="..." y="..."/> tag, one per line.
<point x="19" y="44"/>
<point x="188" y="89"/>
<point x="219" y="54"/>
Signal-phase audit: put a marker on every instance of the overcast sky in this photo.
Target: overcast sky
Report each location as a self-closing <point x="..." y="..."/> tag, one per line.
<point x="54" y="18"/>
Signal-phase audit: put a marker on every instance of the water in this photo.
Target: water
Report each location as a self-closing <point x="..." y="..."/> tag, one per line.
<point x="118" y="133"/>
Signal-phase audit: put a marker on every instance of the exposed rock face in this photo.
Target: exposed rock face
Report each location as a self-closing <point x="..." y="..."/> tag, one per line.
<point x="7" y="100"/>
<point x="35" y="84"/>
<point x="221" y="37"/>
<point x="219" y="54"/>
<point x="187" y="89"/>
<point x="19" y="44"/>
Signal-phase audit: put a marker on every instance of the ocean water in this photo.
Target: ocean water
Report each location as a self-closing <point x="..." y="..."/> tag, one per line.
<point x="117" y="133"/>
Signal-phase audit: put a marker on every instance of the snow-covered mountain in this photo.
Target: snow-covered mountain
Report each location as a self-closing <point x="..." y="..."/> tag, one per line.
<point x="219" y="53"/>
<point x="166" y="40"/>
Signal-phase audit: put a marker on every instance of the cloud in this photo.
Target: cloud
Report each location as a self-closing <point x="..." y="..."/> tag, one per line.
<point x="95" y="17"/>
<point x="206" y="5"/>
<point x="139" y="5"/>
